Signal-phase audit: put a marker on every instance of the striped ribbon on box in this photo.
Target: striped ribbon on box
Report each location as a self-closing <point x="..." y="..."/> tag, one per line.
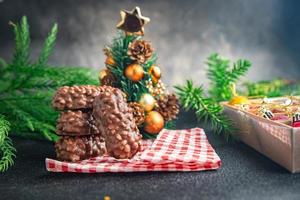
<point x="172" y="150"/>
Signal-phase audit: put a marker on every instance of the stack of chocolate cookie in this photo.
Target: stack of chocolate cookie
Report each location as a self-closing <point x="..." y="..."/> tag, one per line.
<point x="80" y="138"/>
<point x="93" y="119"/>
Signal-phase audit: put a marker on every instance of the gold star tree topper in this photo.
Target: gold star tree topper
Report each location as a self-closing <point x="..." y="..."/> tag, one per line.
<point x="133" y="22"/>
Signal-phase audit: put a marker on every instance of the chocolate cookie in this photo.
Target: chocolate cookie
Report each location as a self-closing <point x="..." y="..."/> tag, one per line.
<point x="79" y="148"/>
<point x="76" y="97"/>
<point x="115" y="121"/>
<point x="75" y="123"/>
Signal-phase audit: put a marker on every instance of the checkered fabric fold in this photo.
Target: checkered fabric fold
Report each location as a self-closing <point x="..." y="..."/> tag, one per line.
<point x="173" y="150"/>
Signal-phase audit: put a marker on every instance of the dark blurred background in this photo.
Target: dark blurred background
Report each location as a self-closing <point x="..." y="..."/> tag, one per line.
<point x="183" y="33"/>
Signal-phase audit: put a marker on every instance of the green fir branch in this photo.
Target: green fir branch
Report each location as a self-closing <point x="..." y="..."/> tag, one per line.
<point x="221" y="75"/>
<point x="240" y="68"/>
<point x="7" y="151"/>
<point x="26" y="91"/>
<point x="206" y="109"/>
<point x="22" y="39"/>
<point x="48" y="46"/>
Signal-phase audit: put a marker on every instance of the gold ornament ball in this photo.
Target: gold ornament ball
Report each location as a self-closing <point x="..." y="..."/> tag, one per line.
<point x="148" y="102"/>
<point x="237" y="100"/>
<point x="155" y="73"/>
<point x="110" y="61"/>
<point x="102" y="74"/>
<point x="134" y="72"/>
<point x="154" y="122"/>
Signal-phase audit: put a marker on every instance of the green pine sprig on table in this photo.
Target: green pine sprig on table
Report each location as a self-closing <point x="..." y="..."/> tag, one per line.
<point x="6" y="147"/>
<point x="118" y="50"/>
<point x="222" y="75"/>
<point x="207" y="109"/>
<point x="27" y="88"/>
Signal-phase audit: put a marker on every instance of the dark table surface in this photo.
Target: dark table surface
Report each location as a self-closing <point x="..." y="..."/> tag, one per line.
<point x="245" y="174"/>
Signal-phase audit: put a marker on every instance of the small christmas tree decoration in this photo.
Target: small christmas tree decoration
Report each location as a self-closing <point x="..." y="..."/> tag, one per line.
<point x="237" y="100"/>
<point x="288" y="101"/>
<point x="154" y="122"/>
<point x="134" y="72"/>
<point x="168" y="107"/>
<point x="296" y="119"/>
<point x="244" y="106"/>
<point x="132" y="62"/>
<point x="140" y="50"/>
<point x="148" y="102"/>
<point x="138" y="113"/>
<point x="133" y="21"/>
<point x="266" y="113"/>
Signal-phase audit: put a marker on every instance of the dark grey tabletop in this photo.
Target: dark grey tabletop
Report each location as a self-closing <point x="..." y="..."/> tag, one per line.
<point x="245" y="174"/>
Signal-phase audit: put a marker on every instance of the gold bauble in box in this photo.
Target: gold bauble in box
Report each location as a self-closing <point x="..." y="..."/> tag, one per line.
<point x="154" y="122"/>
<point x="237" y="100"/>
<point x="102" y="74"/>
<point x="110" y="61"/>
<point x="134" y="72"/>
<point x="155" y="73"/>
<point x="148" y="102"/>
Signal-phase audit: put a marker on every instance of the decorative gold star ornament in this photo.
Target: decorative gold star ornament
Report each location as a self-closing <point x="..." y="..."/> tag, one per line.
<point x="132" y="22"/>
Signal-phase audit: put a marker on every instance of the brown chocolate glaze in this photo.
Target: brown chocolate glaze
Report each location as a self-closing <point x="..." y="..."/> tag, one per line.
<point x="78" y="148"/>
<point x="115" y="121"/>
<point x="75" y="97"/>
<point x="75" y="123"/>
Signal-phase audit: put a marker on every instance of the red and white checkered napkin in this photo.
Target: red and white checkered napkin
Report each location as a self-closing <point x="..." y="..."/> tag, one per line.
<point x="173" y="150"/>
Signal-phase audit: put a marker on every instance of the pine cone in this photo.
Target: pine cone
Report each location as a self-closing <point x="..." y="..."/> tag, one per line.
<point x="138" y="113"/>
<point x="140" y="50"/>
<point x="168" y="107"/>
<point x="109" y="80"/>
